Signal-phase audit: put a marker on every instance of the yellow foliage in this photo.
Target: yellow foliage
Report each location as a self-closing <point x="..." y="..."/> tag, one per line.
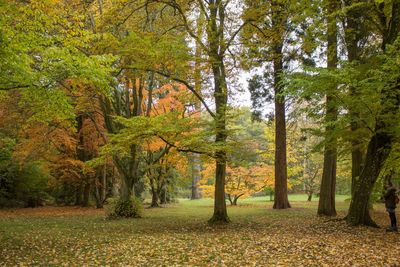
<point x="240" y="181"/>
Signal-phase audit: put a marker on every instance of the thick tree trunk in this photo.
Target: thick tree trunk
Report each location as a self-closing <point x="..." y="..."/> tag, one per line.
<point x="326" y="204"/>
<point x="154" y="196"/>
<point x="281" y="196"/>
<point x="220" y="213"/>
<point x="377" y="153"/>
<point x="126" y="188"/>
<point x="163" y="193"/>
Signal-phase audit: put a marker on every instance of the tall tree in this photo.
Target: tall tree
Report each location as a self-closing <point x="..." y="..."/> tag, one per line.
<point x="278" y="23"/>
<point x="326" y="204"/>
<point x="270" y="27"/>
<point x="355" y="32"/>
<point x="387" y="15"/>
<point x="219" y="39"/>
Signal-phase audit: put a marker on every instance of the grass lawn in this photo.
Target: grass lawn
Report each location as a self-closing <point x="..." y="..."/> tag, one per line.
<point x="178" y="235"/>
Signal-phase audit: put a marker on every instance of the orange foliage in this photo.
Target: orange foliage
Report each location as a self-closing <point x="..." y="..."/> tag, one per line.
<point x="240" y="182"/>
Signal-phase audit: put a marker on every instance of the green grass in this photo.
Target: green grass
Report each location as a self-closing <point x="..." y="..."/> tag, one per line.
<point x="178" y="235"/>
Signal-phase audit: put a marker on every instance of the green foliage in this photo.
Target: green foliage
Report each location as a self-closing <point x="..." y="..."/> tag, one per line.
<point x="21" y="184"/>
<point x="125" y="209"/>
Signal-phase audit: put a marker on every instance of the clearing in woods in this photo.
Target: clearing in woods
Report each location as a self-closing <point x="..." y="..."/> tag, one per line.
<point x="178" y="235"/>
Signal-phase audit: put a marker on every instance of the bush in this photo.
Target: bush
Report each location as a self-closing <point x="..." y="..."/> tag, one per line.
<point x="125" y="209"/>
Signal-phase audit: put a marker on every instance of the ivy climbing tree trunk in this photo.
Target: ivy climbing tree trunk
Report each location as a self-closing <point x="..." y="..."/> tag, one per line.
<point x="326" y="204"/>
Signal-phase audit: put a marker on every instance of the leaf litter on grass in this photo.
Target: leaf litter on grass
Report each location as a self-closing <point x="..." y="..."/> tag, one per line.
<point x="166" y="237"/>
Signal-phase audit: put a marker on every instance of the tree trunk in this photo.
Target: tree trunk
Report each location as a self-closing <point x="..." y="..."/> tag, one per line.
<point x="215" y="36"/>
<point x="281" y="200"/>
<point x="154" y="196"/>
<point x="278" y="20"/>
<point x="100" y="187"/>
<point x="377" y="153"/>
<point x="220" y="213"/>
<point x="126" y="188"/>
<point x="86" y="195"/>
<point x="309" y="198"/>
<point x="353" y="34"/>
<point x="78" y="196"/>
<point x="230" y="199"/>
<point x="196" y="175"/>
<point x="326" y="204"/>
<point x="163" y="193"/>
<point x="235" y="199"/>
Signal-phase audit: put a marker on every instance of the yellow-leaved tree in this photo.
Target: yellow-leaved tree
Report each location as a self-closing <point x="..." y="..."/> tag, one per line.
<point x="241" y="181"/>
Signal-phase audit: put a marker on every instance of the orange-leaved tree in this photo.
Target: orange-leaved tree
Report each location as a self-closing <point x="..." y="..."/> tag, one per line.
<point x="241" y="181"/>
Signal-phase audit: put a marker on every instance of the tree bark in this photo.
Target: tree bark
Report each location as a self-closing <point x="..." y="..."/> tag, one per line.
<point x="377" y="153"/>
<point x="353" y="34"/>
<point x="326" y="204"/>
<point x="154" y="195"/>
<point x="281" y="200"/>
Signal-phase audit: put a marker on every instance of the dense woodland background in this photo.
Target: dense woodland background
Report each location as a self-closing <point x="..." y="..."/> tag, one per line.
<point x="133" y="100"/>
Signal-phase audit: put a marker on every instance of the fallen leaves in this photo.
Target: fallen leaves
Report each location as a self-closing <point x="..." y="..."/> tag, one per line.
<point x="179" y="236"/>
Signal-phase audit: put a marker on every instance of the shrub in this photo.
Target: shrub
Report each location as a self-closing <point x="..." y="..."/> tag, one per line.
<point x="125" y="209"/>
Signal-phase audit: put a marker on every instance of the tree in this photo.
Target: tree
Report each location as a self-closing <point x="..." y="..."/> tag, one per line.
<point x="271" y="27"/>
<point x="383" y="138"/>
<point x="355" y="35"/>
<point x="219" y="39"/>
<point x="241" y="181"/>
<point x="326" y="205"/>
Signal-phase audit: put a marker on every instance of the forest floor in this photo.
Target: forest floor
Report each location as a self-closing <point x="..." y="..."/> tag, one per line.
<point x="178" y="235"/>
